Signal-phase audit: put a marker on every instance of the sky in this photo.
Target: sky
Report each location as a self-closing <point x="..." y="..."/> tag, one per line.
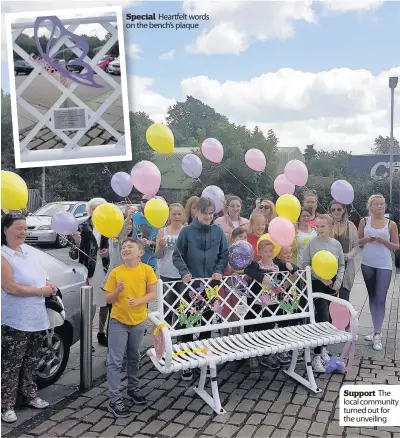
<point x="314" y="72"/>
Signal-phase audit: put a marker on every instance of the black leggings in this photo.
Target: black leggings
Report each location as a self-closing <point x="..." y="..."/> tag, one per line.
<point x="170" y="297"/>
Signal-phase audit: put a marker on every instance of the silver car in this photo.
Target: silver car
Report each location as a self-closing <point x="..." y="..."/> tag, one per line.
<point x="114" y="67"/>
<point x="39" y="223"/>
<point x="68" y="278"/>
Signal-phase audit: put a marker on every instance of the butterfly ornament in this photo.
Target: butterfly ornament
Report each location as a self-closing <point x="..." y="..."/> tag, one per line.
<point x="86" y="77"/>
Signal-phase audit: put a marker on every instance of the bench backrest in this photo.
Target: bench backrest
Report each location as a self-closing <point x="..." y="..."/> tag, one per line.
<point x="205" y="305"/>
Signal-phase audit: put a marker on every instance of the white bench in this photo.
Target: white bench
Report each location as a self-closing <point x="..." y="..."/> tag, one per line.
<point x="169" y="357"/>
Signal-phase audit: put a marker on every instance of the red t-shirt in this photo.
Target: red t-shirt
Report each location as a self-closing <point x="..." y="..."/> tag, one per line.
<point x="253" y="240"/>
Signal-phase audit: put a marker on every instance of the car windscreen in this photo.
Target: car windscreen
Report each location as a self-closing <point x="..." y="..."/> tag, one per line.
<point x="52" y="209"/>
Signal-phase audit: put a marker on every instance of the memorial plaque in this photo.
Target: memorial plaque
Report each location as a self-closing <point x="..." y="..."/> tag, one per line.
<point x="70" y="119"/>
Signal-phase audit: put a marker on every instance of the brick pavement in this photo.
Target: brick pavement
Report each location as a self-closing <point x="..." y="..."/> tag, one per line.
<point x="267" y="404"/>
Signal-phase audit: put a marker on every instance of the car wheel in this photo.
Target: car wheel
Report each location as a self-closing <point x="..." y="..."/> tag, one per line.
<point x="61" y="241"/>
<point x="55" y="358"/>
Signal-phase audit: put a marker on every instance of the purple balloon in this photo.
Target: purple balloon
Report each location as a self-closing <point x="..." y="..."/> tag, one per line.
<point x="121" y="183"/>
<point x="192" y="165"/>
<point x="64" y="222"/>
<point x="342" y="192"/>
<point x="241" y="254"/>
<point x="216" y="195"/>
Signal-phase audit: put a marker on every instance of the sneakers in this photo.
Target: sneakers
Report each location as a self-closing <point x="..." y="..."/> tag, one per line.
<point x="377" y="342"/>
<point x="136" y="397"/>
<point x="187" y="375"/>
<point x="9" y="416"/>
<point x="254" y="365"/>
<point x="119" y="409"/>
<point x="325" y="355"/>
<point x="38" y="403"/>
<point x="284" y="358"/>
<point x="271" y="361"/>
<point x="102" y="339"/>
<point x="369" y="337"/>
<point x="318" y="364"/>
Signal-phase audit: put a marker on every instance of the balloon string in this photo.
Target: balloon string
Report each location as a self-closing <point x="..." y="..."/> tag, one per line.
<point x="237" y="179"/>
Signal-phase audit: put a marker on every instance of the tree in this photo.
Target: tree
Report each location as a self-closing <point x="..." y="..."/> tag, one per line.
<point x="310" y="153"/>
<point x="333" y="163"/>
<point x="382" y="145"/>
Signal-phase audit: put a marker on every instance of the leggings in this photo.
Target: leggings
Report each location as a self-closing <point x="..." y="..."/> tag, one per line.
<point x="377" y="282"/>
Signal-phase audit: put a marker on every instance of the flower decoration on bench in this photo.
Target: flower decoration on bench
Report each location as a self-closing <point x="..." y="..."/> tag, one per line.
<point x="239" y="286"/>
<point x="188" y="318"/>
<point x="159" y="341"/>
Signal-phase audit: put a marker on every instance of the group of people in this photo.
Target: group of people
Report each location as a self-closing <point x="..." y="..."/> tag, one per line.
<point x="193" y="244"/>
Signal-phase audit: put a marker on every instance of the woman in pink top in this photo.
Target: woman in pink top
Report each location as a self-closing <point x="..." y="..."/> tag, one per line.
<point x="231" y="219"/>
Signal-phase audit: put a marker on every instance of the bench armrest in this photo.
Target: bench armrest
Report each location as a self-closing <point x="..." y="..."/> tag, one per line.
<point x="153" y="317"/>
<point x="337" y="300"/>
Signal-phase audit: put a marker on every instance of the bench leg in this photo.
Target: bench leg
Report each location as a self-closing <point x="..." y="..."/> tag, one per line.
<point x="214" y="401"/>
<point x="310" y="383"/>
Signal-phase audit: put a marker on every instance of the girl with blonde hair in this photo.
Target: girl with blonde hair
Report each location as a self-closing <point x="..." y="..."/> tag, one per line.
<point x="380" y="238"/>
<point x="267" y="209"/>
<point x="190" y="209"/>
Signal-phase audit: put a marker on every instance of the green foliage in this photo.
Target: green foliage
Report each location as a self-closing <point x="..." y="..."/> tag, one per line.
<point x="310" y="153"/>
<point x="382" y="146"/>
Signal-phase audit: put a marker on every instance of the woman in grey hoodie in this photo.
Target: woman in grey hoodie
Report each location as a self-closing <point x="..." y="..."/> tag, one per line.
<point x="323" y="242"/>
<point x="201" y="252"/>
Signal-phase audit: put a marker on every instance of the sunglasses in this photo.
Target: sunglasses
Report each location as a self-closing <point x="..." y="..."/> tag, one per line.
<point x="264" y="207"/>
<point x="144" y="201"/>
<point x="333" y="210"/>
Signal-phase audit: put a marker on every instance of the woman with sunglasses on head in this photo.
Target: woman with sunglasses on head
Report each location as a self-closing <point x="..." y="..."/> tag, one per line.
<point x="380" y="237"/>
<point x="267" y="209"/>
<point x="231" y="218"/>
<point x="345" y="232"/>
<point x="24" y="287"/>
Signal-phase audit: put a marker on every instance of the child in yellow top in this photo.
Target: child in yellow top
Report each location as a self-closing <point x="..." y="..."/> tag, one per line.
<point x="129" y="288"/>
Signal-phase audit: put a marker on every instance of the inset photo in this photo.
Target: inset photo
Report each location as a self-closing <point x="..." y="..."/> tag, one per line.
<point x="68" y="87"/>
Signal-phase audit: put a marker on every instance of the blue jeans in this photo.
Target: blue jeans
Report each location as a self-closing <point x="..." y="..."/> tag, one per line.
<point x="121" y="338"/>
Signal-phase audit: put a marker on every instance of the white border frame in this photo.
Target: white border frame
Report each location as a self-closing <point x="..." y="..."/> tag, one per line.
<point x="88" y="155"/>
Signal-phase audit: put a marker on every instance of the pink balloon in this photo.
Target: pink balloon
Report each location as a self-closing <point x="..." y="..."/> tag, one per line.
<point x="340" y="315"/>
<point x="212" y="149"/>
<point x="146" y="177"/>
<point x="282" y="231"/>
<point x="282" y="186"/>
<point x="296" y="172"/>
<point x="256" y="160"/>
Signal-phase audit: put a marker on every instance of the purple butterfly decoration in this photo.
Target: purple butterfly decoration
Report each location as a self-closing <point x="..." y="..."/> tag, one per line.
<point x="86" y="78"/>
<point x="239" y="285"/>
<point x="217" y="308"/>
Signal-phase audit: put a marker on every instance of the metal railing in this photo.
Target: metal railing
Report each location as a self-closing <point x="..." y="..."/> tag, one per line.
<point x="86" y="375"/>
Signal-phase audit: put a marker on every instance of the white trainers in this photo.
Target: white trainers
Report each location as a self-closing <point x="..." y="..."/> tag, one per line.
<point x="38" y="403"/>
<point x="9" y="416"/>
<point x="369" y="337"/>
<point x="325" y="355"/>
<point x="317" y="364"/>
<point x="377" y="342"/>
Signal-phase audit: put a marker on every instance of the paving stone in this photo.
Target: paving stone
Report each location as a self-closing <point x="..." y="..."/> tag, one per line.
<point x="317" y="428"/>
<point x="181" y="403"/>
<point x="43" y="427"/>
<point x="326" y="406"/>
<point x="277" y="407"/>
<point x="112" y="431"/>
<point x="213" y="429"/>
<point x="47" y="145"/>
<point x="79" y="402"/>
<point x="35" y="143"/>
<point x="323" y="417"/>
<point x="47" y="136"/>
<point x="84" y="140"/>
<point x="245" y="405"/>
<point x="237" y="419"/>
<point x="331" y="396"/>
<point x="168" y="415"/>
<point x="269" y="395"/>
<point x="132" y="428"/>
<point x="280" y="433"/>
<point x="106" y="135"/>
<point x="255" y="419"/>
<point x="375" y="433"/>
<point x="185" y="417"/>
<point x="64" y="413"/>
<point x="63" y="427"/>
<point x="163" y="403"/>
<point x="187" y="433"/>
<point x="78" y="430"/>
<point x="228" y="431"/>
<point x="82" y="413"/>
<point x="255" y="394"/>
<point x="299" y="399"/>
<point x="292" y="409"/>
<point x="272" y="419"/>
<point x="263" y="432"/>
<point x="285" y="397"/>
<point x="93" y="133"/>
<point x="172" y="429"/>
<point x="313" y="402"/>
<point x="335" y="429"/>
<point x="196" y="405"/>
<point x="287" y="422"/>
<point x="102" y="424"/>
<point x="302" y="425"/>
<point x="306" y="412"/>
<point x="246" y="431"/>
<point x="154" y="427"/>
<point x="97" y="401"/>
<point x="146" y="415"/>
<point x="199" y="421"/>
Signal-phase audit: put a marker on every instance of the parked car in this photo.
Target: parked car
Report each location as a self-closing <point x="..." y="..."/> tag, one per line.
<point x="71" y="66"/>
<point x="105" y="60"/>
<point x="39" y="223"/>
<point x="68" y="278"/>
<point x="114" y="67"/>
<point x="22" y="67"/>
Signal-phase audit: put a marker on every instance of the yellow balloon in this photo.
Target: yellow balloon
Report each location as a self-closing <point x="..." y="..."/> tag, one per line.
<point x="156" y="212"/>
<point x="288" y="206"/>
<point x="325" y="265"/>
<point x="277" y="248"/>
<point x="14" y="192"/>
<point x="160" y="138"/>
<point x="108" y="220"/>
